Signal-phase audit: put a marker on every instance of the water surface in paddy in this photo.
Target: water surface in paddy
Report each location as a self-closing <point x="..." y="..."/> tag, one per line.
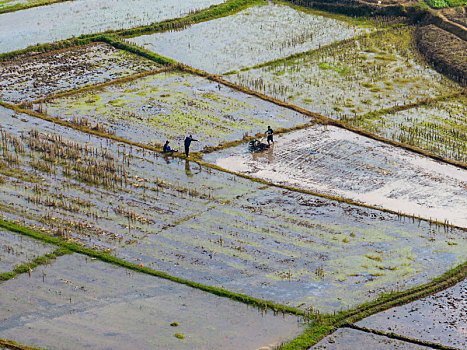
<point x="82" y="304"/>
<point x="60" y="21"/>
<point x="212" y="227"/>
<point x="30" y="78"/>
<point x="262" y="33"/>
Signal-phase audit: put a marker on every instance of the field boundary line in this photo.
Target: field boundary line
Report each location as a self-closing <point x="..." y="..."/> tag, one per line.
<point x="108" y="258"/>
<point x="196" y="158"/>
<point x="321" y="118"/>
<point x="28" y="267"/>
<point x="400" y="337"/>
<point x="223" y="9"/>
<point x="11" y="344"/>
<point x="19" y="7"/>
<point x="321" y="325"/>
<point x="98" y="86"/>
<point x="298" y="55"/>
<point x="330" y="324"/>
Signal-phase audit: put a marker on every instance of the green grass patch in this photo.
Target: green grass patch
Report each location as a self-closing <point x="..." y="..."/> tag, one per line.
<point x="18" y="7"/>
<point x="41" y="260"/>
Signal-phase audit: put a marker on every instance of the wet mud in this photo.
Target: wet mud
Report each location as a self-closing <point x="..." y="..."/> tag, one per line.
<point x="439" y="318"/>
<point x="79" y="303"/>
<point x="211" y="227"/>
<point x="29" y="78"/>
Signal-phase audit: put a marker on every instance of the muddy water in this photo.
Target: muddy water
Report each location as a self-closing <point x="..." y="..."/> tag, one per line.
<point x="30" y="78"/>
<point x="168" y="106"/>
<point x="262" y="33"/>
<point x="218" y="229"/>
<point x="439" y="318"/>
<point x="63" y="20"/>
<point x="351" y="80"/>
<point x="337" y="162"/>
<point x="82" y="304"/>
<point x="350" y="339"/>
<point x="16" y="250"/>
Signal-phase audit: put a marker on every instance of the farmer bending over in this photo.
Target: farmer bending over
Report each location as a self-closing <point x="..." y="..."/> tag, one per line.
<point x="188" y="140"/>
<point x="270" y="132"/>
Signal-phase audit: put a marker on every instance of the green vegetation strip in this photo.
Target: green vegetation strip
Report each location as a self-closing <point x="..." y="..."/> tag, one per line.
<point x="424" y="102"/>
<point x="27" y="268"/>
<point x="12" y="345"/>
<point x="401" y="337"/>
<point x="227" y="8"/>
<point x="96" y="86"/>
<point x="105" y="257"/>
<point x="323" y="119"/>
<point x="18" y="7"/>
<point x="320" y="326"/>
<point x="196" y="157"/>
<point x="285" y="60"/>
<point x="216" y="11"/>
<point x="323" y="326"/>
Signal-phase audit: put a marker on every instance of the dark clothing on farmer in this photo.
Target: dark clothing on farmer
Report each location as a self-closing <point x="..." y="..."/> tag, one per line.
<point x="188" y="141"/>
<point x="167" y="149"/>
<point x="270" y="132"/>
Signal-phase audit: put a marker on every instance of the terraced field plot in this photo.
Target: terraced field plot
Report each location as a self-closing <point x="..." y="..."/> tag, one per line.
<point x="83" y="304"/>
<point x="346" y="339"/>
<point x="262" y="33"/>
<point x="60" y="21"/>
<point x="440" y="127"/>
<point x="213" y="227"/>
<point x="170" y="105"/>
<point x="443" y="316"/>
<point x="17" y="250"/>
<point x="356" y="77"/>
<point x="30" y="78"/>
<point x="341" y="163"/>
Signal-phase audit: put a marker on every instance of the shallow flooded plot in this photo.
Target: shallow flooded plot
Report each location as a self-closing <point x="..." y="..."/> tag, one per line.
<point x="442" y="316"/>
<point x="212" y="227"/>
<point x="338" y="162"/>
<point x="350" y="339"/>
<point x="30" y="78"/>
<point x="262" y="33"/>
<point x="16" y="250"/>
<point x="60" y="21"/>
<point x="169" y="106"/>
<point x="372" y="72"/>
<point x="440" y="128"/>
<point x="81" y="304"/>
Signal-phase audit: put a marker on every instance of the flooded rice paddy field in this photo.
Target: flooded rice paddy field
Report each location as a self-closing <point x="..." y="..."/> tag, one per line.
<point x="212" y="227"/>
<point x="6" y="5"/>
<point x="79" y="303"/>
<point x="442" y="316"/>
<point x="263" y="33"/>
<point x="440" y="127"/>
<point x="338" y="162"/>
<point x="169" y="105"/>
<point x="375" y="71"/>
<point x="350" y="339"/>
<point x="60" y="21"/>
<point x="17" y="250"/>
<point x="30" y="78"/>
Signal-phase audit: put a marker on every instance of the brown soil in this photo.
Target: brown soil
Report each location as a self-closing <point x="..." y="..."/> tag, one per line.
<point x="457" y="15"/>
<point x="445" y="51"/>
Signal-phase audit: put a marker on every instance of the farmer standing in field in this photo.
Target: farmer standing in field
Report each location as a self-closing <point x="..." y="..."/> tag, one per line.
<point x="188" y="141"/>
<point x="270" y="132"/>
